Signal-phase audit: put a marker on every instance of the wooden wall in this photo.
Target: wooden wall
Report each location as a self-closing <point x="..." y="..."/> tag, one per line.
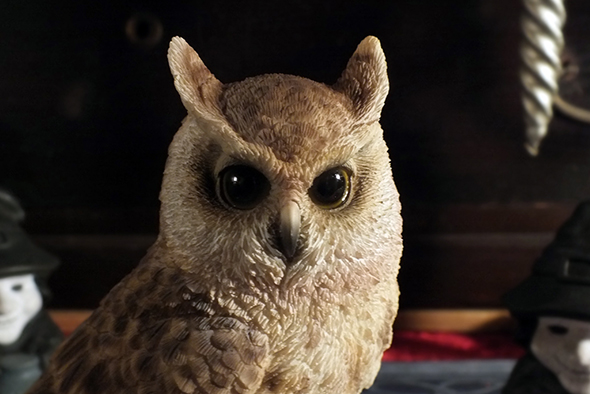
<point x="88" y="109"/>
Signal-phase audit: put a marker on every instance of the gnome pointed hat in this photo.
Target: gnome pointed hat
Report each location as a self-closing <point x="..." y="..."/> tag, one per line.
<point x="10" y="208"/>
<point x="18" y="254"/>
<point x="559" y="284"/>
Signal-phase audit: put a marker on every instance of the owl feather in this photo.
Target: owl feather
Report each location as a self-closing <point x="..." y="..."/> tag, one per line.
<point x="280" y="237"/>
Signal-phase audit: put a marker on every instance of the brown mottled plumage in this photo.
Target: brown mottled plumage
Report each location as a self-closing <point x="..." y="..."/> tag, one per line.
<point x="270" y="292"/>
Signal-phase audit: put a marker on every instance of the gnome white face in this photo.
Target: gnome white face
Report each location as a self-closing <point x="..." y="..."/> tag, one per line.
<point x="20" y="301"/>
<point x="563" y="346"/>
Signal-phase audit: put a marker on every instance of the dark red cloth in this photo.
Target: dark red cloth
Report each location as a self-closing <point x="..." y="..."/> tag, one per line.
<point x="423" y="346"/>
<point x="432" y="346"/>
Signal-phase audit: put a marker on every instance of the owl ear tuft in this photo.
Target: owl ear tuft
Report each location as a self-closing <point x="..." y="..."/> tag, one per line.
<point x="198" y="88"/>
<point x="365" y="80"/>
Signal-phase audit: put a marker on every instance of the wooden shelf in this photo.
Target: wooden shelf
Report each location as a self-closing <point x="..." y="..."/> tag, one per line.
<point x="451" y="320"/>
<point x="455" y="320"/>
<point x="69" y="320"/>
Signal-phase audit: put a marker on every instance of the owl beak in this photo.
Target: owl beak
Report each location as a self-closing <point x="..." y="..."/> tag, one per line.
<point x="290" y="225"/>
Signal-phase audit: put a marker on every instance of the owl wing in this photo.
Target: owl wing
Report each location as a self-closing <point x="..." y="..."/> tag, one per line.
<point x="220" y="355"/>
<point x="187" y="347"/>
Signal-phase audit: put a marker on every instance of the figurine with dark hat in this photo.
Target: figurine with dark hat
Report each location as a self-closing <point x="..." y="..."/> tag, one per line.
<point x="28" y="336"/>
<point x="552" y="306"/>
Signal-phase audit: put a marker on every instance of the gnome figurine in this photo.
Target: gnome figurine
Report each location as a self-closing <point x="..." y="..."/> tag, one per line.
<point x="552" y="306"/>
<point x="28" y="336"/>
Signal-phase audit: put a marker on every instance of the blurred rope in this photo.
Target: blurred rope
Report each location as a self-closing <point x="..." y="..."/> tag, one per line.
<point x="542" y="23"/>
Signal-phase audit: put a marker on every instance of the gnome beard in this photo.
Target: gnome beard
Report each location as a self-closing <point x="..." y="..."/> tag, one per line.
<point x="563" y="346"/>
<point x="20" y="301"/>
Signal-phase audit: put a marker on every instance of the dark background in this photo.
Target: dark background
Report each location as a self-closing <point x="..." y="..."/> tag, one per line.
<point x="88" y="108"/>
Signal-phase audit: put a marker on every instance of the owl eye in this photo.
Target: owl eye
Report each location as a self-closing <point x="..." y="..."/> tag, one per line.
<point x="331" y="189"/>
<point x="242" y="187"/>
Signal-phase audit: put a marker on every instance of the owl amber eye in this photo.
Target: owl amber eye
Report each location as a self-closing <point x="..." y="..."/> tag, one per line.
<point x="242" y="187"/>
<point x="331" y="189"/>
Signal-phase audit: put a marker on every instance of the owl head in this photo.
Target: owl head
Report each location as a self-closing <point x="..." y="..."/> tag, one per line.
<point x="278" y="179"/>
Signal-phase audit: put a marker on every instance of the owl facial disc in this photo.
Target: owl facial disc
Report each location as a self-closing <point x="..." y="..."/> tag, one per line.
<point x="290" y="223"/>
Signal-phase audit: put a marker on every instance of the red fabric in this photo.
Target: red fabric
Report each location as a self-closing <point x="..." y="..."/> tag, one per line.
<point x="423" y="346"/>
<point x="432" y="346"/>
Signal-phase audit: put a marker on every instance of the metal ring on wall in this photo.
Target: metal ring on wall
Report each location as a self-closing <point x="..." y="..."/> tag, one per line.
<point x="573" y="111"/>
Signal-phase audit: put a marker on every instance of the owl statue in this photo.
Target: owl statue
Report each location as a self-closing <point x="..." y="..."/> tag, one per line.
<point x="275" y="269"/>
